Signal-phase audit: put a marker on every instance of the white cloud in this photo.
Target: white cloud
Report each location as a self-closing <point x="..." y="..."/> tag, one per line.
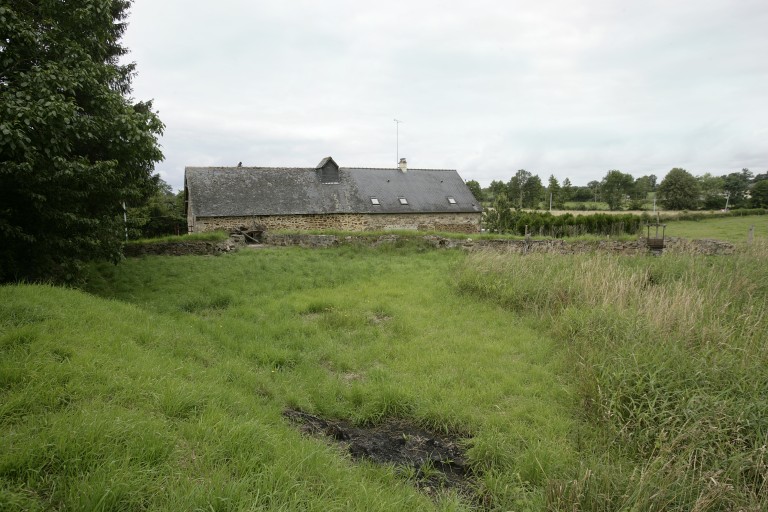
<point x="486" y="87"/>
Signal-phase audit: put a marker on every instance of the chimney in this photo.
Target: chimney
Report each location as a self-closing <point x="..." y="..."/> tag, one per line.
<point x="403" y="165"/>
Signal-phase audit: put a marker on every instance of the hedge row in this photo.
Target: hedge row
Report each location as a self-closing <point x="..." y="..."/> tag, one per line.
<point x="545" y="224"/>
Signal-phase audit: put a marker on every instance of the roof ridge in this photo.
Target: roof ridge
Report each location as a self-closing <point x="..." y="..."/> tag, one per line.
<point x="346" y="168"/>
<point x="394" y="168"/>
<point x="236" y="168"/>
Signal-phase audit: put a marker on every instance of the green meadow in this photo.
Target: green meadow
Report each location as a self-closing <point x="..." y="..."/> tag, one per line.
<point x="730" y="229"/>
<point x="590" y="382"/>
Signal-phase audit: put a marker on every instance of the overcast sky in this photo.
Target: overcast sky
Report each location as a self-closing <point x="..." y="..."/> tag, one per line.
<point x="485" y="87"/>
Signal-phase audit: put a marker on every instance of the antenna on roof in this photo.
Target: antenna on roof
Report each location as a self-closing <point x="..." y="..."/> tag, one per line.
<point x="397" y="131"/>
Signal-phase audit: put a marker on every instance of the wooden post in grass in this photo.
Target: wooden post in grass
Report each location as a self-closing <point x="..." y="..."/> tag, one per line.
<point x="527" y="244"/>
<point x="751" y="237"/>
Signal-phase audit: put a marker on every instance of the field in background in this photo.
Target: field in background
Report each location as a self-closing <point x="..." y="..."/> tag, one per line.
<point x="730" y="229"/>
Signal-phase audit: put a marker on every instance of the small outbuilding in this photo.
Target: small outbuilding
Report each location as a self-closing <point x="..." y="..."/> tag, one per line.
<point x="329" y="197"/>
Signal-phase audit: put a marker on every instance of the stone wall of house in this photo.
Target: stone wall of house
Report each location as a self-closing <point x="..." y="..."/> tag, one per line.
<point x="451" y="222"/>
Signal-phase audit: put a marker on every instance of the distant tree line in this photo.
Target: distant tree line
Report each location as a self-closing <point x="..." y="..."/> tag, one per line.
<point x="679" y="190"/>
<point x="526" y="190"/>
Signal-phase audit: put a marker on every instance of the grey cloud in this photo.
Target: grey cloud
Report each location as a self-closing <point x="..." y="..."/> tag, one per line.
<point x="486" y="87"/>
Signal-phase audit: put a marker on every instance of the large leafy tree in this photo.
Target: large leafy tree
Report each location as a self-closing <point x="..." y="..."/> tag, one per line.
<point x="497" y="188"/>
<point x="74" y="146"/>
<point x="516" y="186"/>
<point x="567" y="190"/>
<point x="679" y="190"/>
<point x="643" y="186"/>
<point x="594" y="187"/>
<point x="760" y="194"/>
<point x="712" y="191"/>
<point x="499" y="219"/>
<point x="476" y="190"/>
<point x="616" y="186"/>
<point x="162" y="214"/>
<point x="584" y="193"/>
<point x="555" y="192"/>
<point x="736" y="185"/>
<point x="533" y="192"/>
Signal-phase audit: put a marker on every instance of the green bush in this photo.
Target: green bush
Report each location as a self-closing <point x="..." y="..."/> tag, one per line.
<point x="520" y="222"/>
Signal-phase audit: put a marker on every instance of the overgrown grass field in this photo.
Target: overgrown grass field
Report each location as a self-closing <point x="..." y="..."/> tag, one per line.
<point x="578" y="383"/>
<point x="670" y="359"/>
<point x="165" y="391"/>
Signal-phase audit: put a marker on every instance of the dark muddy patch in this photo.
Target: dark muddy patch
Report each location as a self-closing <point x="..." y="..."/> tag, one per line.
<point x="433" y="461"/>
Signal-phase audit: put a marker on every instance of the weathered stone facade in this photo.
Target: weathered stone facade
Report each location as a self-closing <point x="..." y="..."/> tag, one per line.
<point x="450" y="222"/>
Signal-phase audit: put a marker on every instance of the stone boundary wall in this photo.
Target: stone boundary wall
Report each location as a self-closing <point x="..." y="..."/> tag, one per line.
<point x="451" y="222"/>
<point x="195" y="248"/>
<point x="555" y="246"/>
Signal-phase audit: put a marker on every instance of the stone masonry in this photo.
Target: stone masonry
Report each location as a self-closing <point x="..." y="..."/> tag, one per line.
<point x="450" y="222"/>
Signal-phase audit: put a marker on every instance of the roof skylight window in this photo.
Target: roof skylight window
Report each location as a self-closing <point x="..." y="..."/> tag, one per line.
<point x="375" y="200"/>
<point x="451" y="200"/>
<point x="403" y="200"/>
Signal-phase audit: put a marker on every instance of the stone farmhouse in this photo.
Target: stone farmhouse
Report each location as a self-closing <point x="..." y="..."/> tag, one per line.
<point x="329" y="197"/>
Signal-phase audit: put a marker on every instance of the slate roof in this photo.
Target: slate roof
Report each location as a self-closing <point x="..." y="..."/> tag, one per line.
<point x="245" y="191"/>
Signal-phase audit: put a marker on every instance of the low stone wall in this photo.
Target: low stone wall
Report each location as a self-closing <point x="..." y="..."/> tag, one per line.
<point x="192" y="248"/>
<point x="303" y="240"/>
<point x="702" y="246"/>
<point x="554" y="246"/>
<point x="451" y="222"/>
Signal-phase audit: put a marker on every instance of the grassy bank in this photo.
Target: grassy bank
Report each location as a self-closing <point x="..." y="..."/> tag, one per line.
<point x="671" y="364"/>
<point x="164" y="389"/>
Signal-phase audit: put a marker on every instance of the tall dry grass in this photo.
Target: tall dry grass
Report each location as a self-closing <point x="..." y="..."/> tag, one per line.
<point x="671" y="359"/>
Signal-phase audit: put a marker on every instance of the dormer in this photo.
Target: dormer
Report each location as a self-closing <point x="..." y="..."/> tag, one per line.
<point x="328" y="171"/>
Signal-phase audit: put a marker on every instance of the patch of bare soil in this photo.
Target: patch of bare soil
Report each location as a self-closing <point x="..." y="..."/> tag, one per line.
<point x="434" y="461"/>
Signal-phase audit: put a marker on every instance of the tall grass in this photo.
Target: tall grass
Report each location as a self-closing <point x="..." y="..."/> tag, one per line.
<point x="585" y="382"/>
<point x="163" y="387"/>
<point x="208" y="236"/>
<point x="671" y="361"/>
